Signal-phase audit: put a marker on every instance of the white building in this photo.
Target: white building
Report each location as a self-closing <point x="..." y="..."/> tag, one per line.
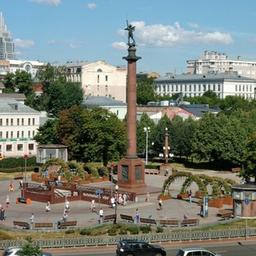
<point x="99" y="78"/>
<point x="212" y="62"/>
<point x="119" y="108"/>
<point x="18" y="125"/>
<point x="196" y="85"/>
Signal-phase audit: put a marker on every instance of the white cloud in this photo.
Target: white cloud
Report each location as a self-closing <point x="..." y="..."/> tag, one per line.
<point x="47" y="2"/>
<point x="119" y="45"/>
<point x="20" y="43"/>
<point x="91" y="6"/>
<point x="160" y="35"/>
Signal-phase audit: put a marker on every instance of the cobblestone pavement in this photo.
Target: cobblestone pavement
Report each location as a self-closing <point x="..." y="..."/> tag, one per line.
<point x="80" y="210"/>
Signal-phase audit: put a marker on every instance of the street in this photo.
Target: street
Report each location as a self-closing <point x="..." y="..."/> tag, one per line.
<point x="231" y="249"/>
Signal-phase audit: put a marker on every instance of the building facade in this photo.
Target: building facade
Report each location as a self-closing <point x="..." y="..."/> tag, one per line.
<point x="214" y="62"/>
<point x="99" y="79"/>
<point x="18" y="125"/>
<point x="6" y="42"/>
<point x="225" y="84"/>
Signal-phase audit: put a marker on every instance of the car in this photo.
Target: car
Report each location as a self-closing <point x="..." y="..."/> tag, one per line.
<point x="138" y="248"/>
<point x="14" y="251"/>
<point x="195" y="252"/>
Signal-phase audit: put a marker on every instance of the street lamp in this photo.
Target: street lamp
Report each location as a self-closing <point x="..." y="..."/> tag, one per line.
<point x="146" y="130"/>
<point x="116" y="189"/>
<point x="25" y="167"/>
<point x="166" y="145"/>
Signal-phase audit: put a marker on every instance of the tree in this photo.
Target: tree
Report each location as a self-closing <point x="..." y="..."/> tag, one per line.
<point x="28" y="249"/>
<point x="9" y="83"/>
<point x="23" y="82"/>
<point x="145" y="90"/>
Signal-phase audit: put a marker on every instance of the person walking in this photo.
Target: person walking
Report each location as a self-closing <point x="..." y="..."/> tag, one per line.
<point x="2" y="213"/>
<point x="137" y="217"/>
<point x="7" y="201"/>
<point x="101" y="216"/>
<point x="32" y="219"/>
<point x="160" y="204"/>
<point x="93" y="207"/>
<point x="48" y="207"/>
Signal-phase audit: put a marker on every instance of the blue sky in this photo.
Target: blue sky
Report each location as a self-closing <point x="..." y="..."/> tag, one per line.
<point x="168" y="32"/>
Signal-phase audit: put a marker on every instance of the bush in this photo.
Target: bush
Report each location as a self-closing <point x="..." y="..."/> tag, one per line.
<point x="14" y="162"/>
<point x="134" y="230"/>
<point x="159" y="229"/>
<point x="85" y="232"/>
<point x="5" y="236"/>
<point x="70" y="231"/>
<point x="145" y="229"/>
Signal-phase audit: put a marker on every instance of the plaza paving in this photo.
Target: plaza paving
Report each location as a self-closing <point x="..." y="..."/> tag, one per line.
<point x="80" y="210"/>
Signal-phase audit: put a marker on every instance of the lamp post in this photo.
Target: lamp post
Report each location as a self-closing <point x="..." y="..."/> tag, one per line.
<point x="25" y="167"/>
<point x="166" y="145"/>
<point x="146" y="130"/>
<point x="116" y="199"/>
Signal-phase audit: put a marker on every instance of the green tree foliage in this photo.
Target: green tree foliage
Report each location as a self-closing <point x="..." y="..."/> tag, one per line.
<point x="23" y="82"/>
<point x="47" y="134"/>
<point x="145" y="90"/>
<point x="145" y="122"/>
<point x="28" y="249"/>
<point x="9" y="83"/>
<point x="91" y="135"/>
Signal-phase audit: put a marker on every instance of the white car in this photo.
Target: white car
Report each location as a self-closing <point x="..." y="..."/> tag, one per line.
<point x="195" y="252"/>
<point x="14" y="251"/>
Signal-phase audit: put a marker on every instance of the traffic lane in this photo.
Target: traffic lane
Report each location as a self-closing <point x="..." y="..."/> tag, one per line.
<point x="233" y="249"/>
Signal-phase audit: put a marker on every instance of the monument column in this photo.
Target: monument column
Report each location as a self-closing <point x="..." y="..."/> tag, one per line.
<point x="131" y="171"/>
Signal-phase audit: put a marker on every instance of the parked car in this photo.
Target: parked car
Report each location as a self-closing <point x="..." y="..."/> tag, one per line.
<point x="138" y="248"/>
<point x="14" y="251"/>
<point x="195" y="252"/>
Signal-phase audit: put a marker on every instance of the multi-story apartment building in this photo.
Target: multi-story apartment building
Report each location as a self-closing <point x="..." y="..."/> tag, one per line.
<point x="18" y="125"/>
<point x="214" y="62"/>
<point x="6" y="42"/>
<point x="223" y="84"/>
<point x="99" y="78"/>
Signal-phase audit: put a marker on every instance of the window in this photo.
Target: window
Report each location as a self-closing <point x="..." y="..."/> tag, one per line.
<point x="1" y="121"/>
<point x="30" y="146"/>
<point x="22" y="121"/>
<point x="33" y="121"/>
<point x="1" y="134"/>
<point x="29" y="121"/>
<point x="7" y="135"/>
<point x="98" y="78"/>
<point x="33" y="133"/>
<point x="18" y="121"/>
<point x="11" y="121"/>
<point x="7" y="122"/>
<point x="11" y="134"/>
<point x="8" y="147"/>
<point x="20" y="147"/>
<point x="106" y="78"/>
<point x="18" y="134"/>
<point x="29" y="134"/>
<point x="22" y="134"/>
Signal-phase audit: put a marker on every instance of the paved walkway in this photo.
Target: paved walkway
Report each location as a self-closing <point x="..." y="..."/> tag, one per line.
<point x="80" y="210"/>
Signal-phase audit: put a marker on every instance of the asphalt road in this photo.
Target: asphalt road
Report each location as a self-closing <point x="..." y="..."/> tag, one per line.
<point x="231" y="249"/>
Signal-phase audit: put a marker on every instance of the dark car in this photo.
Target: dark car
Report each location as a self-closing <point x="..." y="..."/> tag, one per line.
<point x="138" y="248"/>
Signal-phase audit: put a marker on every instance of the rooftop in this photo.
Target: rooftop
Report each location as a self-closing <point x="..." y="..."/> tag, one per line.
<point x="98" y="101"/>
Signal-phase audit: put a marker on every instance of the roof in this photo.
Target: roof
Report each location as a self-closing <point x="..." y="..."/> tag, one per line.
<point x="98" y="101"/>
<point x="8" y="105"/>
<point x="15" y="96"/>
<point x="199" y="110"/>
<point x="51" y="146"/>
<point x="206" y="77"/>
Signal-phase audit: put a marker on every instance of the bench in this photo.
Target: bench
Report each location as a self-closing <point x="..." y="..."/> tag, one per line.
<point x="170" y="222"/>
<point x="110" y="217"/>
<point x="225" y="214"/>
<point x="147" y="221"/>
<point x="189" y="222"/>
<point x="128" y="218"/>
<point x="21" y="224"/>
<point x="152" y="171"/>
<point x="43" y="225"/>
<point x="66" y="224"/>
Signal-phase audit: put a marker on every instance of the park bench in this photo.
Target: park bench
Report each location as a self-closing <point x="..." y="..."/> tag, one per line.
<point x="67" y="224"/>
<point x="147" y="221"/>
<point x="128" y="218"/>
<point x="189" y="222"/>
<point x="110" y="217"/>
<point x="21" y="224"/>
<point x="225" y="214"/>
<point x="170" y="222"/>
<point x="43" y="225"/>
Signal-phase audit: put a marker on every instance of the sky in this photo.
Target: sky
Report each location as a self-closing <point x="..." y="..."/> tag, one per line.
<point x="167" y="32"/>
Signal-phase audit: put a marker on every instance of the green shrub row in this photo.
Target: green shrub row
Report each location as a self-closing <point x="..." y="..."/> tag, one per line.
<point x="13" y="162"/>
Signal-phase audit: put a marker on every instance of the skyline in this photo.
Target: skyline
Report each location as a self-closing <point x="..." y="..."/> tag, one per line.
<point x="167" y="32"/>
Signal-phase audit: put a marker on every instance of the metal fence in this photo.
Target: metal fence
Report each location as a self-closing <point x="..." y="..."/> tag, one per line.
<point x="188" y="235"/>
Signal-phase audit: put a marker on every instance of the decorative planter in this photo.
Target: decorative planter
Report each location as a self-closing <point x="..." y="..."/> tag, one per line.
<point x="227" y="200"/>
<point x="182" y="196"/>
<point x="199" y="194"/>
<point x="215" y="202"/>
<point x="164" y="197"/>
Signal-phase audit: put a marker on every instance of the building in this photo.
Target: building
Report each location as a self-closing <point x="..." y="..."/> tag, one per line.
<point x="214" y="62"/>
<point x="117" y="107"/>
<point x="223" y="84"/>
<point x="99" y="78"/>
<point x="6" y="42"/>
<point x="18" y="125"/>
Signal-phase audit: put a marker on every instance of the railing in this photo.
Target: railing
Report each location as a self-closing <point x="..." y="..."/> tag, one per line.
<point x="112" y="240"/>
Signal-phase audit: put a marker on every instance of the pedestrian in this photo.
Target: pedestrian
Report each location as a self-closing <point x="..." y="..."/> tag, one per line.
<point x="112" y="202"/>
<point x="65" y="216"/>
<point x="125" y="199"/>
<point x="101" y="216"/>
<point x="48" y="207"/>
<point x="190" y="196"/>
<point x="7" y="201"/>
<point x="93" y="207"/>
<point x="2" y="213"/>
<point x="11" y="187"/>
<point x="21" y="184"/>
<point x="185" y="217"/>
<point x="147" y="197"/>
<point x="137" y="217"/>
<point x="160" y="204"/>
<point x="67" y="205"/>
<point x="32" y="219"/>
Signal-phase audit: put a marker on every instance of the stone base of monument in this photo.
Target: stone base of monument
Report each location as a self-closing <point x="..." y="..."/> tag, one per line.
<point x="131" y="173"/>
